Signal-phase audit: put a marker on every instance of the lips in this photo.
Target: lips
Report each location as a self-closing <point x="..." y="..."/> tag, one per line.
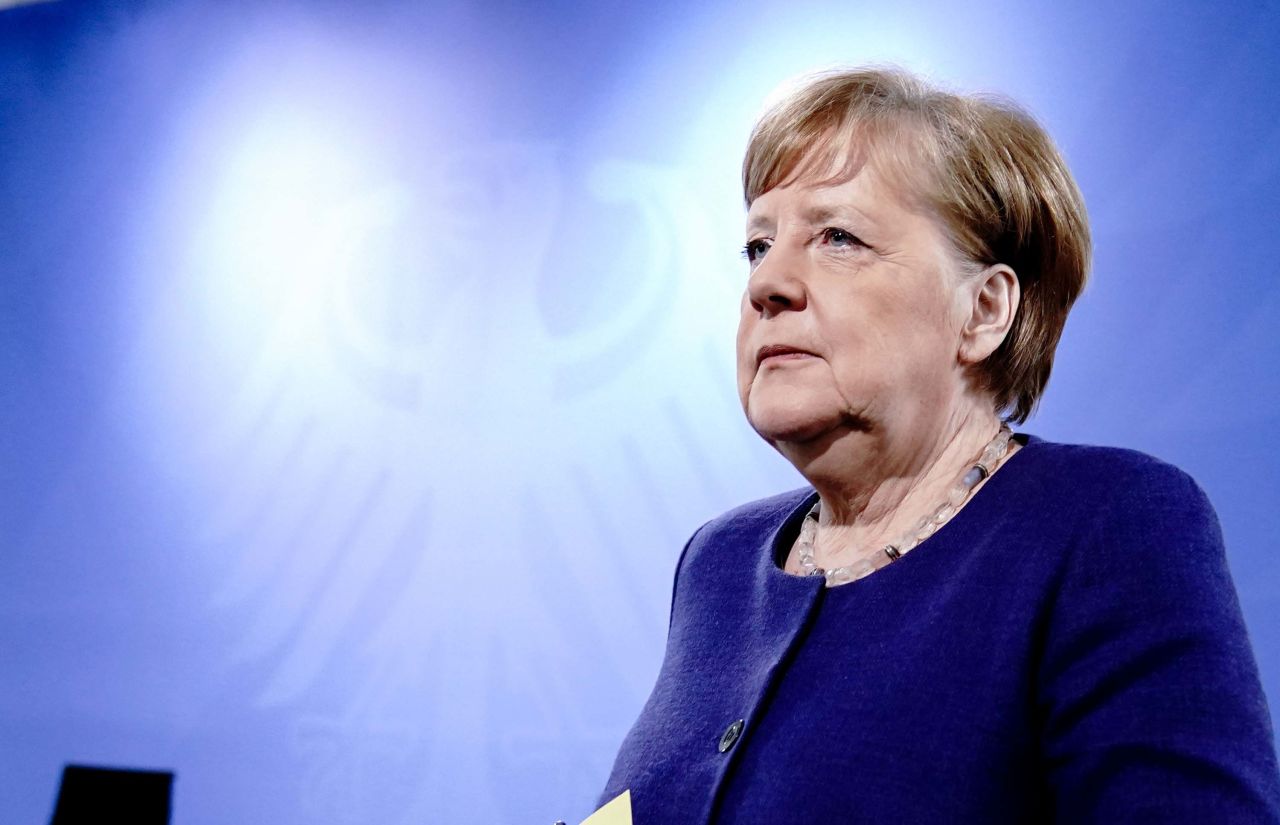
<point x="781" y="352"/>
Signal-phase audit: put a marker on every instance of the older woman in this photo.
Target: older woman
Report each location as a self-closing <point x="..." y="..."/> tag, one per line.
<point x="952" y="625"/>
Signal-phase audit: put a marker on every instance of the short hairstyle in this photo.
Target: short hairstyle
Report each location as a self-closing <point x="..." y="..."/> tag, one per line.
<point x="983" y="165"/>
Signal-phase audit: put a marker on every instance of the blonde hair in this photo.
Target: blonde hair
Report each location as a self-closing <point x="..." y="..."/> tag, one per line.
<point x="981" y="163"/>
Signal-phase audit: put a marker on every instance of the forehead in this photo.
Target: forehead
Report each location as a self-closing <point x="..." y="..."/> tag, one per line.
<point x="875" y="168"/>
<point x="820" y="195"/>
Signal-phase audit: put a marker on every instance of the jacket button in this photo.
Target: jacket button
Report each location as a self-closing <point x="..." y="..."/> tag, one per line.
<point x="730" y="735"/>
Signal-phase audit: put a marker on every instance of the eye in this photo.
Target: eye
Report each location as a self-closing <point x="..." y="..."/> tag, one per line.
<point x="756" y="249"/>
<point x="840" y="237"/>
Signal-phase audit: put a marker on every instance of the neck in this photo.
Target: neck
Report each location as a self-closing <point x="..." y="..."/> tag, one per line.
<point x="876" y="481"/>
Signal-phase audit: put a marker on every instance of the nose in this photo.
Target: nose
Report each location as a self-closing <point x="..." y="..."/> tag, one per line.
<point x="774" y="286"/>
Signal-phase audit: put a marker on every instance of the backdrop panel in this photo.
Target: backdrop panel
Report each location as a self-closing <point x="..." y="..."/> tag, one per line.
<point x="364" y="367"/>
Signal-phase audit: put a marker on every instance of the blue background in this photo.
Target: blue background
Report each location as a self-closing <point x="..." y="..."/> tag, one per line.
<point x="364" y="366"/>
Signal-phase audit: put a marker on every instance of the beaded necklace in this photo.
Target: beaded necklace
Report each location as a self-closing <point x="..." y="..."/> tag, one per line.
<point x="992" y="455"/>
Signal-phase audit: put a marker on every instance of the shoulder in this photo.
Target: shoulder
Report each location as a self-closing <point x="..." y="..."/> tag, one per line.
<point x="750" y="518"/>
<point x="1114" y="470"/>
<point x="1138" y="532"/>
<point x="1112" y="486"/>
<point x="743" y="535"/>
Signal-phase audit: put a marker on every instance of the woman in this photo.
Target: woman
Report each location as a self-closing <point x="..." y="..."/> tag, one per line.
<point x="952" y="625"/>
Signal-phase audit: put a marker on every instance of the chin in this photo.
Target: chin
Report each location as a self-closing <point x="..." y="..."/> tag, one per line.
<point x="791" y="423"/>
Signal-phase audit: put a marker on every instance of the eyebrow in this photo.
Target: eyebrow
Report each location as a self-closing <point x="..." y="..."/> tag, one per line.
<point x="758" y="222"/>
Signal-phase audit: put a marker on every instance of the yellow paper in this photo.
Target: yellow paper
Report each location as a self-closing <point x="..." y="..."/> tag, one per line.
<point x="616" y="811"/>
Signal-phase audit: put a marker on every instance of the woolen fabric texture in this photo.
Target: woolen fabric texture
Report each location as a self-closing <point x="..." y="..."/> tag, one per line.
<point x="1068" y="648"/>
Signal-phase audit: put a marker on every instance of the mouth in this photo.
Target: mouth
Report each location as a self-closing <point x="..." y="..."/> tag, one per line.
<point x="778" y="353"/>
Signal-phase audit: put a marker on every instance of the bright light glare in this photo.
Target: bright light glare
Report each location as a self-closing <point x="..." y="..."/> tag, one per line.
<point x="269" y="255"/>
<point x="276" y="223"/>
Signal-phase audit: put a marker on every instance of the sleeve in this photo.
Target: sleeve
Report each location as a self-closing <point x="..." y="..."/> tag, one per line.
<point x="1149" y="697"/>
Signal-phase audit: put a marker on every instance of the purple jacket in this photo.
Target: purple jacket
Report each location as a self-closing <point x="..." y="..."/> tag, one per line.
<point x="1068" y="648"/>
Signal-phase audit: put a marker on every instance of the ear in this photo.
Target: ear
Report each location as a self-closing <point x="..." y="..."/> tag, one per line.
<point x="996" y="294"/>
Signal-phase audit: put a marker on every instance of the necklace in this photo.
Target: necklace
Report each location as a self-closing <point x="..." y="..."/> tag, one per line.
<point x="986" y="464"/>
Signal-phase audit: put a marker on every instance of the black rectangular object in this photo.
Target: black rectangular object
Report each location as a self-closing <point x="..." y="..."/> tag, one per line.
<point x="92" y="795"/>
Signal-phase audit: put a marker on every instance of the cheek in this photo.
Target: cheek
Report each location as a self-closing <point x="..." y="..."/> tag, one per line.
<point x="745" y="360"/>
<point x="929" y="344"/>
<point x="886" y="336"/>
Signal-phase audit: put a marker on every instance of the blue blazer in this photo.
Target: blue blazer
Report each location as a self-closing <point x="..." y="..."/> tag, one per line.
<point x="1068" y="648"/>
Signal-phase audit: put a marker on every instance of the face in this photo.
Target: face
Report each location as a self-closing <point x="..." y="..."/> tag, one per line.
<point x="853" y="312"/>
